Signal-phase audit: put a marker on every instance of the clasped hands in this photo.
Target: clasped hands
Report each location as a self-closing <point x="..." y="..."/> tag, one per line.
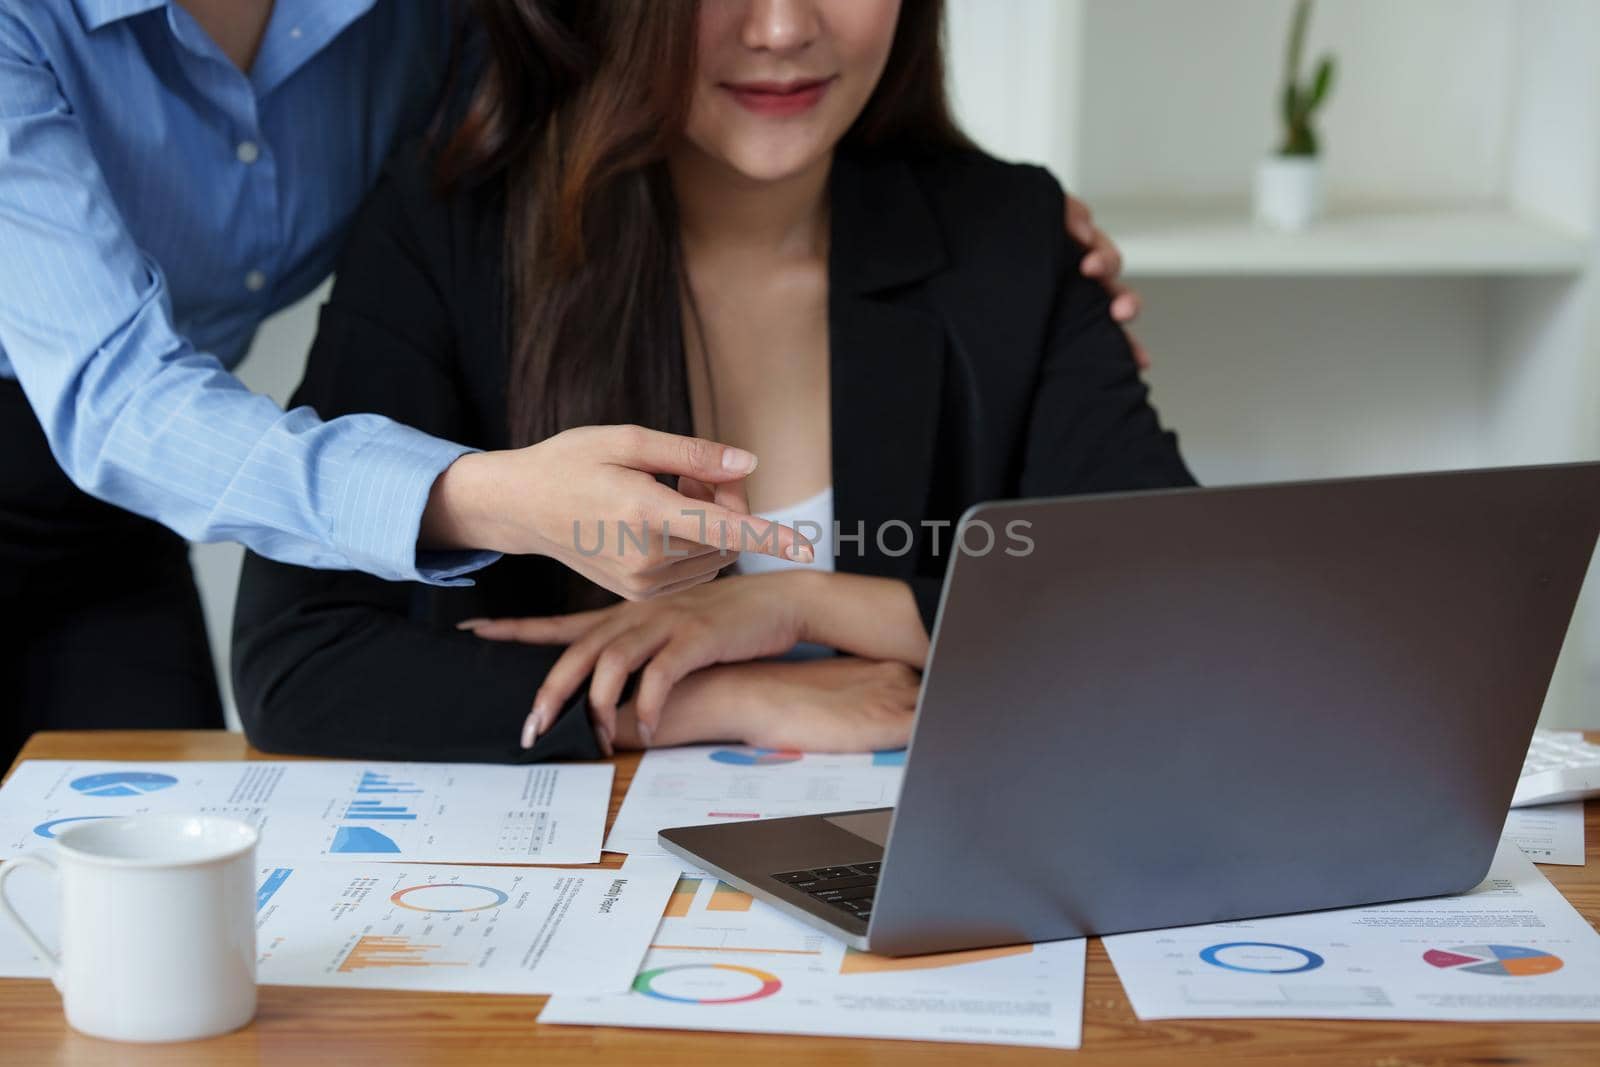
<point x="703" y="670"/>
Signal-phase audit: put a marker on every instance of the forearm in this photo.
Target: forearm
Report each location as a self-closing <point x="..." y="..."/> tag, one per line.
<point x="185" y="443"/>
<point x="873" y="618"/>
<point x="460" y="509"/>
<point x="701" y="708"/>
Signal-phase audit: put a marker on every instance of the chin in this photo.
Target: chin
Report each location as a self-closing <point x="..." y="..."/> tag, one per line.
<point x="775" y="162"/>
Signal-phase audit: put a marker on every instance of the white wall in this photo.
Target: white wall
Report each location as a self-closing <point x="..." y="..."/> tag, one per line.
<point x="1401" y="123"/>
<point x="1336" y="378"/>
<point x="1007" y="79"/>
<point x="1437" y="104"/>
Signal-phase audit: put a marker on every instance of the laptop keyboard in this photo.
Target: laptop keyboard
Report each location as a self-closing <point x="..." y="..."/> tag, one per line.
<point x="849" y="887"/>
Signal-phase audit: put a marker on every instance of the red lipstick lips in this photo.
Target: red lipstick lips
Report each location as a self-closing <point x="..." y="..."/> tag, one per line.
<point x="778" y="99"/>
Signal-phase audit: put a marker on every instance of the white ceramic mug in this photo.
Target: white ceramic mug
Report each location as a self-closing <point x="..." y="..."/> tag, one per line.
<point x="158" y="937"/>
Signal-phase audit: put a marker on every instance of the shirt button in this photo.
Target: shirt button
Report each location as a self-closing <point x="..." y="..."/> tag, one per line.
<point x="255" y="281"/>
<point x="248" y="152"/>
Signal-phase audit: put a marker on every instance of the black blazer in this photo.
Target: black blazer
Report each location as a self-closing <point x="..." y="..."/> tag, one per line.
<point x="970" y="361"/>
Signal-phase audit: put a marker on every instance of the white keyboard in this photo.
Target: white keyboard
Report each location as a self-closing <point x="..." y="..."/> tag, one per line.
<point x="1561" y="765"/>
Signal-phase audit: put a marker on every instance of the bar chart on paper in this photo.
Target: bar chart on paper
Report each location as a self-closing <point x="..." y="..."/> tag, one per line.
<point x="380" y="797"/>
<point x="378" y="782"/>
<point x="550" y="813"/>
<point x="377" y="950"/>
<point x="456" y="928"/>
<point x="719" y="918"/>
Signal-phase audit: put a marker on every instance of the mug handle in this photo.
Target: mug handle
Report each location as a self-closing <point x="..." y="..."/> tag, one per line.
<point x="9" y="868"/>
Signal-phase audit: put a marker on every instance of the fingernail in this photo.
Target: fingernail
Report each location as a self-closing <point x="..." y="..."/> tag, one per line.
<point x="645" y="732"/>
<point x="470" y="624"/>
<point x="801" y="553"/>
<point x="738" y="461"/>
<point x="530" y="729"/>
<point x="604" y="736"/>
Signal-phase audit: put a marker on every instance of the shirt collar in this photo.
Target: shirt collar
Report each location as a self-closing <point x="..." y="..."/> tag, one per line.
<point x="98" y="13"/>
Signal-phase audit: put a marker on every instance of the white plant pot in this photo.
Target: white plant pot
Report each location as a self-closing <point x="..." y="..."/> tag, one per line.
<point x="1289" y="191"/>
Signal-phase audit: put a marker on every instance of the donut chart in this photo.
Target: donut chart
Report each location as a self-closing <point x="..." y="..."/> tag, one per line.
<point x="706" y="983"/>
<point x="448" y="897"/>
<point x="47" y="830"/>
<point x="1261" y="957"/>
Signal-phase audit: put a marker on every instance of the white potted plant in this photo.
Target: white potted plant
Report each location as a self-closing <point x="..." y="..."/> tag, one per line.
<point x="1289" y="187"/>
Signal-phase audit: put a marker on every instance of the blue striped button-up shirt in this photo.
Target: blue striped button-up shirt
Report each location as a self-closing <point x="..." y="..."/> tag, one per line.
<point x="155" y="204"/>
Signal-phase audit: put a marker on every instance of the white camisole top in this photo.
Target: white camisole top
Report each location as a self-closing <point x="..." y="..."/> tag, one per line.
<point x="813" y="519"/>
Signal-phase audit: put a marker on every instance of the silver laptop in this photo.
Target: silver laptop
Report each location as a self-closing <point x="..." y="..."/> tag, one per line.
<point x="1199" y="705"/>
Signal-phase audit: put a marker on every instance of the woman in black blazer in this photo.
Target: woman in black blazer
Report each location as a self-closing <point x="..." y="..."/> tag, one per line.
<point x="958" y="355"/>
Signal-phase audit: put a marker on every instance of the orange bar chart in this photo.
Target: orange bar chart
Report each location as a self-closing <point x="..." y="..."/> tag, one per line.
<point x="727" y="898"/>
<point x="682" y="896"/>
<point x="376" y="950"/>
<point x="857" y="962"/>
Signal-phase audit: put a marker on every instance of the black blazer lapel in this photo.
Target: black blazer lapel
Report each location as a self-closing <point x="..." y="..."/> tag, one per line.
<point x="886" y="363"/>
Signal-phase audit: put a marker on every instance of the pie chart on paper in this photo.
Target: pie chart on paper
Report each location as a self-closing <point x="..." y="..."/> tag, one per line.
<point x="1507" y="961"/>
<point x="755" y="757"/>
<point x="123" y="783"/>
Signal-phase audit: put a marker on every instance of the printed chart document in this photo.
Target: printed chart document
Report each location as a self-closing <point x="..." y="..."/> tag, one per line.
<point x="457" y="929"/>
<point x="429" y="812"/>
<point x="1511" y="949"/>
<point x="1550" y="833"/>
<point x="724" y="961"/>
<point x="701" y="784"/>
<point x="408" y="926"/>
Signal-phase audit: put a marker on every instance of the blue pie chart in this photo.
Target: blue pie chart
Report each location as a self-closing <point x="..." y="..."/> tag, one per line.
<point x="755" y="757"/>
<point x="123" y="783"/>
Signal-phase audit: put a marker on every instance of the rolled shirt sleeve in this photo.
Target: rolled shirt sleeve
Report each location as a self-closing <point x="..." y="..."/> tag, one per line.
<point x="137" y="416"/>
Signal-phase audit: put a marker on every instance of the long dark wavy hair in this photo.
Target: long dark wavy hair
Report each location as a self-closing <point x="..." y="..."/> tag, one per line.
<point x="577" y="106"/>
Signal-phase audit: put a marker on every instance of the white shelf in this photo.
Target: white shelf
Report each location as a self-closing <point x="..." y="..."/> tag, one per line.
<point x="1208" y="240"/>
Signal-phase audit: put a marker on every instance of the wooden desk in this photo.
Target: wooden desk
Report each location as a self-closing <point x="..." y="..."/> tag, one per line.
<point x="358" y="1027"/>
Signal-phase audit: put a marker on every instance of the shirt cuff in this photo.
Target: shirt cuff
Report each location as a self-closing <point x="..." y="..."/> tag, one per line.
<point x="379" y="514"/>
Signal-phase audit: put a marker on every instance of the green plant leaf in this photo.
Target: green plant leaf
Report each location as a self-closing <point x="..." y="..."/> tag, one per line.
<point x="1321" y="83"/>
<point x="1297" y="40"/>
